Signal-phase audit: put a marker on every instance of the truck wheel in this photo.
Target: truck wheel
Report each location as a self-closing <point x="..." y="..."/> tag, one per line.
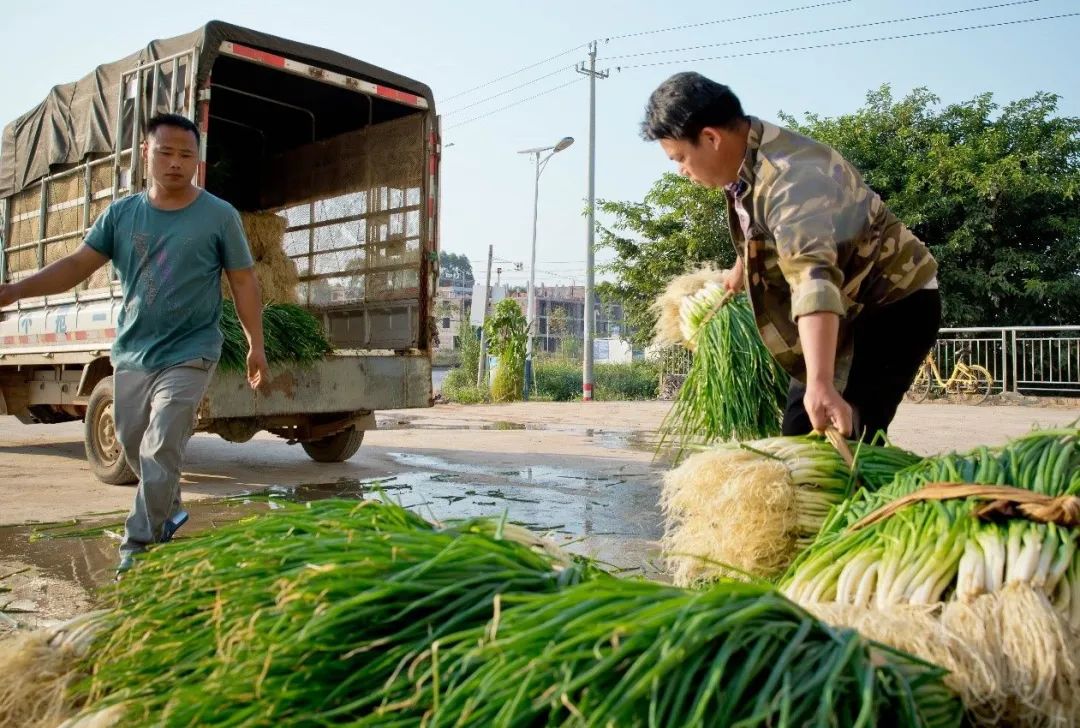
<point x="102" y="445"/>
<point x="335" y="448"/>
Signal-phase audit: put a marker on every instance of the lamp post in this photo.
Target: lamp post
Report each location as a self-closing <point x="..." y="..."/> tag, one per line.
<point x="530" y="305"/>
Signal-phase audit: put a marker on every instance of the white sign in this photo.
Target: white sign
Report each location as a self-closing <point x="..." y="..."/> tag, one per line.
<point x="476" y="315"/>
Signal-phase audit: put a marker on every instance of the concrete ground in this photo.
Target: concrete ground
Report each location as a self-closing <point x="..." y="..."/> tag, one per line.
<point x="582" y="472"/>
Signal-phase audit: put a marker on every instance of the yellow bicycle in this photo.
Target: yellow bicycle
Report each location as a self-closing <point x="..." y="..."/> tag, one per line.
<point x="967" y="384"/>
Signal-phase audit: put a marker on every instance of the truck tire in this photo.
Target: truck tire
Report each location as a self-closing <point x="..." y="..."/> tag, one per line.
<point x="336" y="448"/>
<point x="103" y="450"/>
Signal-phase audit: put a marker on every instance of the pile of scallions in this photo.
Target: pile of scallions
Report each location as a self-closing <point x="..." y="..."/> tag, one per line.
<point x="361" y="613"/>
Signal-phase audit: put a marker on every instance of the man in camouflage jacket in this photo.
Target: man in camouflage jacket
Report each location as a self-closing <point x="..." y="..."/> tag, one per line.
<point x="844" y="295"/>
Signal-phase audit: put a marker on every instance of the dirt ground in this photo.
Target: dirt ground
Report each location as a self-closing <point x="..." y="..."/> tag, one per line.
<point x="581" y="472"/>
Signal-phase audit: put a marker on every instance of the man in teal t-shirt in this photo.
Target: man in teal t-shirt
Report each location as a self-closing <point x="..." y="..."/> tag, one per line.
<point x="169" y="246"/>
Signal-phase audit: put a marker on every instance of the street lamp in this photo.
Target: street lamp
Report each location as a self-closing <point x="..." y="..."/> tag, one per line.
<point x="530" y="305"/>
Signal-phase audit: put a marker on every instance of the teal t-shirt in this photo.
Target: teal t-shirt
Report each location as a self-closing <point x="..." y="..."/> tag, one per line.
<point x="169" y="263"/>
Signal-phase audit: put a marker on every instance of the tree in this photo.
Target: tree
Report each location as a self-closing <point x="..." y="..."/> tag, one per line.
<point x="469" y="348"/>
<point x="677" y="226"/>
<point x="454" y="269"/>
<point x="506" y="332"/>
<point x="558" y="322"/>
<point x="558" y="325"/>
<point x="993" y="191"/>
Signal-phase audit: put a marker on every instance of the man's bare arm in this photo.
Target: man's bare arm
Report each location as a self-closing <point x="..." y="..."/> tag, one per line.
<point x="63" y="275"/>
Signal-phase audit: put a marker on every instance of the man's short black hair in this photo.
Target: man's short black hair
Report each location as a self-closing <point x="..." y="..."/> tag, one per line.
<point x="174" y="120"/>
<point x="685" y="104"/>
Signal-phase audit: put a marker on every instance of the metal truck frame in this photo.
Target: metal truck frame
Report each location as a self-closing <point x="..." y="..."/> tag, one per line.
<point x="346" y="152"/>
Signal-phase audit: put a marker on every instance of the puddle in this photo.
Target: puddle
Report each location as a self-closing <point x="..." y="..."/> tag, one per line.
<point x="50" y="572"/>
<point x="505" y="426"/>
<point x="622" y="440"/>
<point x="609" y="439"/>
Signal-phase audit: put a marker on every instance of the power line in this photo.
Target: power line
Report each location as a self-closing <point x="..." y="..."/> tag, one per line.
<point x="568" y="51"/>
<point x="727" y="20"/>
<point x="840" y="43"/>
<point x="823" y="30"/>
<point x="512" y="89"/>
<point x="516" y="103"/>
<point x="505" y="76"/>
<point x="772" y="51"/>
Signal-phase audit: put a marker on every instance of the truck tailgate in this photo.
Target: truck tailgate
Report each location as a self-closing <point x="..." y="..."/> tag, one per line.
<point x="341" y="383"/>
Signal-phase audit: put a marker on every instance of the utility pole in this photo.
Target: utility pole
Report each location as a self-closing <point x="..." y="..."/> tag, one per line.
<point x="587" y="370"/>
<point x="483" y="329"/>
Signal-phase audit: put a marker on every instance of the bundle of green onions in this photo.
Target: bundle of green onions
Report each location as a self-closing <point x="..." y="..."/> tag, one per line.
<point x="734" y="388"/>
<point x="302" y="615"/>
<point x="290" y="334"/>
<point x="1010" y="656"/>
<point x="632" y="653"/>
<point x="930" y="551"/>
<point x="750" y="508"/>
<point x="969" y="583"/>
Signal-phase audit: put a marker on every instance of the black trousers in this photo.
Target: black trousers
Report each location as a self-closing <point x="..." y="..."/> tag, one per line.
<point x="891" y="343"/>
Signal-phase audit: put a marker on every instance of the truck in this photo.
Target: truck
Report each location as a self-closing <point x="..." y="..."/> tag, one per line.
<point x="345" y="152"/>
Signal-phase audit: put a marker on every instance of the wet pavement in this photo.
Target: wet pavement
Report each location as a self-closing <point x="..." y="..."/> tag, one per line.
<point x="50" y="572"/>
<point x="584" y="474"/>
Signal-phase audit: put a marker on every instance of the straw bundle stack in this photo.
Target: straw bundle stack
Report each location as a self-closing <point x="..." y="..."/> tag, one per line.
<point x="276" y="272"/>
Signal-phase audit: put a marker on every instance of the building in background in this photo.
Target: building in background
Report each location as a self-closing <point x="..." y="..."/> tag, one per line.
<point x="560" y="321"/>
<point x="560" y="317"/>
<point x="453" y="304"/>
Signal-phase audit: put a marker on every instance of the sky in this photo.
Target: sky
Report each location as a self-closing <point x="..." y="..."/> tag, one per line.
<point x="461" y="48"/>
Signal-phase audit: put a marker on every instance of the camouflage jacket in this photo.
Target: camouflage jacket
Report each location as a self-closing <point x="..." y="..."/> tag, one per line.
<point x="814" y="237"/>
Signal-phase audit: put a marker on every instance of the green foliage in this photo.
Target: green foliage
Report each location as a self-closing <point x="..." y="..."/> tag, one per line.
<point x="506" y="334"/>
<point x="558" y="380"/>
<point x="638" y="380"/>
<point x="558" y="322"/>
<point x="571" y="349"/>
<point x="454" y="269"/>
<point x="993" y="190"/>
<point x="459" y="385"/>
<point x="468" y="348"/>
<point x="561" y="380"/>
<point x="678" y="226"/>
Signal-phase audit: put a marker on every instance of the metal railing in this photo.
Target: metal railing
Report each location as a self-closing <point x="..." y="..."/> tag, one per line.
<point x="1032" y="360"/>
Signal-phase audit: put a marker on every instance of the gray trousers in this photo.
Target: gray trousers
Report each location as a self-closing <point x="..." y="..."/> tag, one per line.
<point x="155" y="415"/>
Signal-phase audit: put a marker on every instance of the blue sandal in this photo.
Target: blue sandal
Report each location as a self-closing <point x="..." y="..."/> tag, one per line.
<point x="173" y="525"/>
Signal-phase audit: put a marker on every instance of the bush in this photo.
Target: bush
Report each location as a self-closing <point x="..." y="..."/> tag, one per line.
<point x="507" y="333"/>
<point x="446" y="358"/>
<point x="561" y="380"/>
<point x="460" y="382"/>
<point x="460" y="386"/>
<point x="468" y="349"/>
<point x="557" y="380"/>
<point x="467" y="395"/>
<point x="639" y="380"/>
<point x="570" y="348"/>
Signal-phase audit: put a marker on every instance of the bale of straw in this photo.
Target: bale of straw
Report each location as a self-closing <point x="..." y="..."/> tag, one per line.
<point x="668" y="331"/>
<point x="274" y="269"/>
<point x="1011" y="657"/>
